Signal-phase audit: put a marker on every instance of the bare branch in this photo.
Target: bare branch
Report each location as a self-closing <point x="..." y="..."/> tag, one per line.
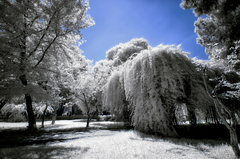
<point x="45" y="51"/>
<point x="48" y="26"/>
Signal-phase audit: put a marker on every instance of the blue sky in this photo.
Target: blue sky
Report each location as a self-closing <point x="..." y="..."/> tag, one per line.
<point x="157" y="21"/>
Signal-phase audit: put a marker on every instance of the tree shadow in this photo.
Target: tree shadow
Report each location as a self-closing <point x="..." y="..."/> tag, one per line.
<point x="15" y="138"/>
<point x="182" y="141"/>
<point x="197" y="142"/>
<point x="43" y="152"/>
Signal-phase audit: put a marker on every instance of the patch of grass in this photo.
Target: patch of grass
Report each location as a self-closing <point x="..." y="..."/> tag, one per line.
<point x="222" y="152"/>
<point x="99" y="142"/>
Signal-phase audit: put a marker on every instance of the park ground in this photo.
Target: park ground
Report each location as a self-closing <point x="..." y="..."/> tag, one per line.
<point x="103" y="140"/>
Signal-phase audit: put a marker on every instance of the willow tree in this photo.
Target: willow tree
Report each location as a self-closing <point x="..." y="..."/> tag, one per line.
<point x="114" y="95"/>
<point x="30" y="32"/>
<point x="117" y="56"/>
<point x="153" y="83"/>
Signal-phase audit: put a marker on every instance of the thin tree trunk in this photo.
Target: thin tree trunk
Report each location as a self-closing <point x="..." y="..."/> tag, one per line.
<point x="31" y="117"/>
<point x="96" y="114"/>
<point x="234" y="143"/>
<point x="53" y="119"/>
<point x="54" y="116"/>
<point x="43" y="115"/>
<point x="88" y="120"/>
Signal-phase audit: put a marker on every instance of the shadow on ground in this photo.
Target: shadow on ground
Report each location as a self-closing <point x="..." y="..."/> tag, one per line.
<point x="184" y="141"/>
<point x="42" y="152"/>
<point x="15" y="138"/>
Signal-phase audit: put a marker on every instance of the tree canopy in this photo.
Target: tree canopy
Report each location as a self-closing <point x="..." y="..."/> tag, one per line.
<point x="34" y="37"/>
<point x="218" y="29"/>
<point x="152" y="85"/>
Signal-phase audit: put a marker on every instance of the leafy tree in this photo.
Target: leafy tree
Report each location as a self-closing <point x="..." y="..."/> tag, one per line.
<point x="34" y="35"/>
<point x="86" y="94"/>
<point x="219" y="33"/>
<point x="152" y="85"/>
<point x="60" y="80"/>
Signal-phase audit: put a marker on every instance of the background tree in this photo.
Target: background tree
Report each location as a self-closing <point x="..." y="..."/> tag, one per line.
<point x="219" y="33"/>
<point x="86" y="94"/>
<point x="30" y="34"/>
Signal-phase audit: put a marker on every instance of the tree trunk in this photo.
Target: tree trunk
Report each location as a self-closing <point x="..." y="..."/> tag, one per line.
<point x="232" y="131"/>
<point x="43" y="115"/>
<point x="88" y="120"/>
<point x="96" y="115"/>
<point x="31" y="117"/>
<point x="53" y="119"/>
<point x="54" y="116"/>
<point x="55" y="112"/>
<point x="218" y="106"/>
<point x="43" y="120"/>
<point x="234" y="143"/>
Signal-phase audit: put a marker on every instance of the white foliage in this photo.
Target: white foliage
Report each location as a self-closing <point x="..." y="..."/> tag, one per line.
<point x="39" y="108"/>
<point x="16" y="111"/>
<point x="154" y="82"/>
<point x="114" y="94"/>
<point x="122" y="52"/>
<point x="40" y="39"/>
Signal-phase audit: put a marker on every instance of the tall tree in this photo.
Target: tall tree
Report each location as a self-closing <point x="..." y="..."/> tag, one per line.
<point x="30" y="34"/>
<point x="151" y="85"/>
<point x="219" y="33"/>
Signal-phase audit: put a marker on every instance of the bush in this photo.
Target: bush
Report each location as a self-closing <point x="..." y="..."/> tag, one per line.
<point x="17" y="116"/>
<point x="14" y="113"/>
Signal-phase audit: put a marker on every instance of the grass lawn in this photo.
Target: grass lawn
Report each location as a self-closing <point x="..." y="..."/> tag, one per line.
<point x="70" y="139"/>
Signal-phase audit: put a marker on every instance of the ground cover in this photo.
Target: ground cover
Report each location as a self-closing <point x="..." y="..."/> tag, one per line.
<point x="70" y="139"/>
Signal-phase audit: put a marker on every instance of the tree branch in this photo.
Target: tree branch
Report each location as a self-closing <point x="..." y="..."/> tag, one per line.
<point x="45" y="51"/>
<point x="49" y="23"/>
<point x="217" y="101"/>
<point x="205" y="82"/>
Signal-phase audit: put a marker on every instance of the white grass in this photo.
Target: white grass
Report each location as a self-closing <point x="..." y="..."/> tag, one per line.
<point x="106" y="144"/>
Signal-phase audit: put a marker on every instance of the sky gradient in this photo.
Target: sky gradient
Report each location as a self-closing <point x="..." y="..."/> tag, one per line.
<point x="157" y="21"/>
